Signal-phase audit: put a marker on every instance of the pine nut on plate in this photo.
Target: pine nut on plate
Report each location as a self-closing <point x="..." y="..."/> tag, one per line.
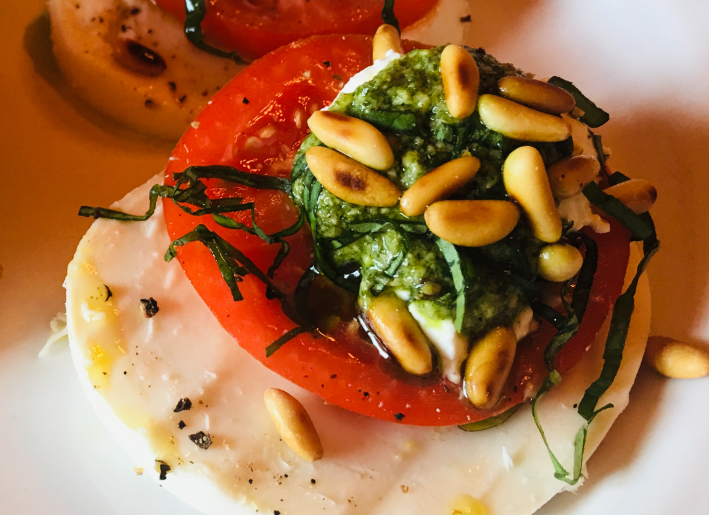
<point x="571" y="175"/>
<point x="519" y="122"/>
<point x="349" y="180"/>
<point x="536" y="94"/>
<point x="472" y="223"/>
<point x="353" y="137"/>
<point x="386" y="38"/>
<point x="638" y="194"/>
<point x="294" y="424"/>
<point x="559" y="262"/>
<point x="438" y="184"/>
<point x="526" y="181"/>
<point x="676" y="359"/>
<point x="488" y="366"/>
<point x="461" y="79"/>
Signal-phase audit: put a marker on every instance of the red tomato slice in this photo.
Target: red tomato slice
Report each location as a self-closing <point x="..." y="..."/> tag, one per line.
<point x="261" y="137"/>
<point x="255" y="27"/>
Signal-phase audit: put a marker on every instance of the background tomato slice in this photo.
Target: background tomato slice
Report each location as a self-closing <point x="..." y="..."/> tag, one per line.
<point x="256" y="123"/>
<point x="255" y="27"/>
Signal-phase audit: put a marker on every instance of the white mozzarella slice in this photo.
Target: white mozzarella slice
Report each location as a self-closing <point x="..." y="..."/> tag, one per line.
<point x="135" y="370"/>
<point x="92" y="43"/>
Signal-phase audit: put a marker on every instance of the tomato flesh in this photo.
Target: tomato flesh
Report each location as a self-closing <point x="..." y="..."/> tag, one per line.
<point x="261" y="137"/>
<point x="255" y="27"/>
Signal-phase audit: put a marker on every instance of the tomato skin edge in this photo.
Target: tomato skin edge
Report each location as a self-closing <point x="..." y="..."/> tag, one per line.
<point x="325" y="366"/>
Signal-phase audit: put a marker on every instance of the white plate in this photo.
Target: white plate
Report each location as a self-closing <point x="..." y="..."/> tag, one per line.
<point x="644" y="62"/>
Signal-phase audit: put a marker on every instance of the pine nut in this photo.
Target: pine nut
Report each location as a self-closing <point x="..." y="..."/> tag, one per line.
<point x="354" y="137"/>
<point x="294" y="424"/>
<point x="488" y="366"/>
<point x="438" y="184"/>
<point x="461" y="79"/>
<point x="570" y="176"/>
<point x="638" y="194"/>
<point x="675" y="359"/>
<point x="472" y="223"/>
<point x="516" y="121"/>
<point x="536" y="94"/>
<point x="526" y="181"/>
<point x="401" y="334"/>
<point x="386" y="38"/>
<point x="559" y="262"/>
<point x="347" y="179"/>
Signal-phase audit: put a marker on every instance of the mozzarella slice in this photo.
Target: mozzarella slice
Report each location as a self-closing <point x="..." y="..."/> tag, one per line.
<point x="135" y="370"/>
<point x="98" y="43"/>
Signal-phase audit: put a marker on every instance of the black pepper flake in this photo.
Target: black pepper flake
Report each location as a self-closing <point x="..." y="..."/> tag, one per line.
<point x="182" y="424"/>
<point x="100" y="20"/>
<point x="465" y="19"/>
<point x="135" y="11"/>
<point x="333" y="376"/>
<point x="201" y="440"/>
<point x="276" y="512"/>
<point x="366" y="394"/>
<point x="148" y="102"/>
<point x="109" y="293"/>
<point x="326" y="63"/>
<point x="336" y="77"/>
<point x="251" y="481"/>
<point x="150" y="306"/>
<point x="576" y="405"/>
<point x="124" y="28"/>
<point x="312" y="481"/>
<point x="245" y="100"/>
<point x="172" y="85"/>
<point x="182" y="99"/>
<point x="183" y="405"/>
<point x="398" y="416"/>
<point x="164" y="469"/>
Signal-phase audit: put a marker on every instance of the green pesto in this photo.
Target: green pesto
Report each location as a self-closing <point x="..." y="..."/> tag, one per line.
<point x="406" y="102"/>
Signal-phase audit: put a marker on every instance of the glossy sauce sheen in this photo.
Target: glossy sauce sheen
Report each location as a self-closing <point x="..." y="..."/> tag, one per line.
<point x="261" y="136"/>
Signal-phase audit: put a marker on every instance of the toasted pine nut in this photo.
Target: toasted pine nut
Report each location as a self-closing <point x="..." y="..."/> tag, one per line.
<point x="438" y="184"/>
<point x="571" y="175"/>
<point x="638" y="194"/>
<point x="354" y="137"/>
<point x="488" y="366"/>
<point x="386" y="38"/>
<point x="461" y="79"/>
<point x="519" y="122"/>
<point x="294" y="424"/>
<point x="559" y="262"/>
<point x="349" y="180"/>
<point x="526" y="181"/>
<point x="401" y="334"/>
<point x="536" y="94"/>
<point x="471" y="223"/>
<point x="676" y="359"/>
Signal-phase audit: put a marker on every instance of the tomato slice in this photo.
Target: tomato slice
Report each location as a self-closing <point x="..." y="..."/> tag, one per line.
<point x="255" y="27"/>
<point x="261" y="137"/>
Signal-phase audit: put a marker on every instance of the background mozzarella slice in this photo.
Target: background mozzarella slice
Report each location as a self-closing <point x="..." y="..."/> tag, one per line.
<point x="134" y="370"/>
<point x="98" y="45"/>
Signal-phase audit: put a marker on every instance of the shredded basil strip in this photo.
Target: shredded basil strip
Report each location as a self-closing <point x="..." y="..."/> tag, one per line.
<point x="280" y="342"/>
<point x="158" y="190"/>
<point x="231" y="174"/>
<point x="566" y="329"/>
<point x="491" y="422"/>
<point x="388" y="15"/>
<point x="233" y="264"/>
<point x="395" y="121"/>
<point x="598" y="146"/>
<point x="639" y="226"/>
<point x="593" y="116"/>
<point x="615" y="344"/>
<point x="195" y="10"/>
<point x="461" y="270"/>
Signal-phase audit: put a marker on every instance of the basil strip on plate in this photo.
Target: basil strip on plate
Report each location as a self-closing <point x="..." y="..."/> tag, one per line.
<point x="280" y="342"/>
<point x="593" y="115"/>
<point x="388" y="15"/>
<point x="461" y="270"/>
<point x="639" y="226"/>
<point x="195" y="10"/>
<point x="491" y="422"/>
